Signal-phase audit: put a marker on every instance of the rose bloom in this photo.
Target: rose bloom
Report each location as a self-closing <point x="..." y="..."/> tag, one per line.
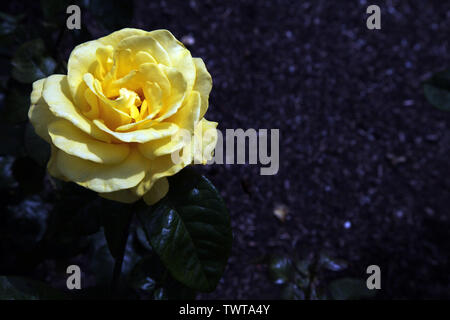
<point x="117" y="116"/>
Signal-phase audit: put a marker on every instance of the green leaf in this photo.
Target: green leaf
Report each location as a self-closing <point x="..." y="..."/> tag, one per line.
<point x="302" y="267"/>
<point x="160" y="294"/>
<point x="102" y="263"/>
<point x="149" y="275"/>
<point x="11" y="33"/>
<point x="190" y="230"/>
<point x="9" y="23"/>
<point x="301" y="281"/>
<point x="437" y="90"/>
<point x="146" y="273"/>
<point x="36" y="147"/>
<point x="281" y="269"/>
<point x="19" y="288"/>
<point x="331" y="264"/>
<point x="350" y="289"/>
<point x="30" y="62"/>
<point x="6" y="176"/>
<point x="141" y="239"/>
<point x="292" y="292"/>
<point x="28" y="218"/>
<point x="100" y="269"/>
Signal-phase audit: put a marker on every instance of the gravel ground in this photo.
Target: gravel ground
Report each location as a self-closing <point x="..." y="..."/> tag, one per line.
<point x="363" y="156"/>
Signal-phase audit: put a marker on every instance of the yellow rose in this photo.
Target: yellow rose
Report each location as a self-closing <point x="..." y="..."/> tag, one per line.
<point x="113" y="120"/>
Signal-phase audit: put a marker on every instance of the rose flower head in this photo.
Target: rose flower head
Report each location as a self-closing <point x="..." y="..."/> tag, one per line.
<point x="129" y="102"/>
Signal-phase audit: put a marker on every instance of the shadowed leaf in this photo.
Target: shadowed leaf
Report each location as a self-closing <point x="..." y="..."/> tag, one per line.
<point x="331" y="263"/>
<point x="30" y="62"/>
<point x="350" y="289"/>
<point x="437" y="90"/>
<point x="281" y="269"/>
<point x="19" y="288"/>
<point x="190" y="230"/>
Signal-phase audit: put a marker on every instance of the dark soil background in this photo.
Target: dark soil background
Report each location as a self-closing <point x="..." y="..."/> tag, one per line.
<point x="364" y="169"/>
<point x="358" y="141"/>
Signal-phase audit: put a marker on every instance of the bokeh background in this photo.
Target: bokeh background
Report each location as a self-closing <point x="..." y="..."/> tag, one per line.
<point x="364" y="157"/>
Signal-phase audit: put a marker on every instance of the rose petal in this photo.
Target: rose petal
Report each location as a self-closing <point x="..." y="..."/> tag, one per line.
<point x="52" y="168"/>
<point x="75" y="142"/>
<point x="176" y="95"/>
<point x="185" y="118"/>
<point x="189" y="113"/>
<point x="56" y="94"/>
<point x="205" y="141"/>
<point x="39" y="113"/>
<point x="203" y="84"/>
<point x="124" y="196"/>
<point x="157" y="131"/>
<point x="180" y="57"/>
<point x="113" y="111"/>
<point x="147" y="44"/>
<point x="103" y="177"/>
<point x="157" y="192"/>
<point x="84" y="56"/>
